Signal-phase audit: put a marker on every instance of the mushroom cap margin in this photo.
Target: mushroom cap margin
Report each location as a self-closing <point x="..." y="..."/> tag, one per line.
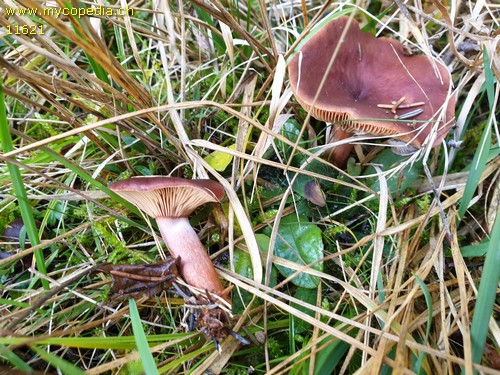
<point x="162" y="196"/>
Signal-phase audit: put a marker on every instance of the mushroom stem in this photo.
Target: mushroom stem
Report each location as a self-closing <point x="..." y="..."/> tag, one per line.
<point x="196" y="267"/>
<point x="340" y="154"/>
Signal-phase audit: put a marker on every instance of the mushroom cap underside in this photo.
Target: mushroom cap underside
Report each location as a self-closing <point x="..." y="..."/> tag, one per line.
<point x="367" y="72"/>
<point x="161" y="196"/>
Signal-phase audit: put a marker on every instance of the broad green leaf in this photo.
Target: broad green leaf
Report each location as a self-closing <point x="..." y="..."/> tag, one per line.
<point x="219" y="160"/>
<point x="144" y="171"/>
<point x="243" y="267"/>
<point x="408" y="177"/>
<point x="263" y="243"/>
<point x="304" y="185"/>
<point x="243" y="263"/>
<point x="307" y="296"/>
<point x="291" y="130"/>
<point x="299" y="241"/>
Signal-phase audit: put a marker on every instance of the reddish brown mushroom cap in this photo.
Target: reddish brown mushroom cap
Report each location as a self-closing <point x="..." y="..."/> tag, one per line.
<point x="368" y="71"/>
<point x="161" y="196"/>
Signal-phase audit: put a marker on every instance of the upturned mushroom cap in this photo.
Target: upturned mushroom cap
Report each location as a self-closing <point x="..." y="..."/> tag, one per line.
<point x="368" y="71"/>
<point x="161" y="196"/>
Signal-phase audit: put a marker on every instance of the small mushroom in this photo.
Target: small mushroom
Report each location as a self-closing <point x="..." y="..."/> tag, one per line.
<point x="15" y="238"/>
<point x="170" y="200"/>
<point x="15" y="235"/>
<point x="372" y="87"/>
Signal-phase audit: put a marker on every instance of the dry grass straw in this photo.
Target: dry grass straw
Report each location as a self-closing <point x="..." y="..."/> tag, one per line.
<point x="175" y="93"/>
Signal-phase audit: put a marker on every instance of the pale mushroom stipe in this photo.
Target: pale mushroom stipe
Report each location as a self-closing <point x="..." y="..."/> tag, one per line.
<point x="373" y="87"/>
<point x="170" y="200"/>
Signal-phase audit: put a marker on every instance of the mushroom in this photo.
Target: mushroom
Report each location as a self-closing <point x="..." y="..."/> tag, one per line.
<point x="170" y="200"/>
<point x="14" y="232"/>
<point x="372" y="87"/>
<point x="15" y="237"/>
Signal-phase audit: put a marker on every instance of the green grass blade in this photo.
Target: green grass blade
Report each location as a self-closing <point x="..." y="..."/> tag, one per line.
<point x="291" y="336"/>
<point x="428" y="302"/>
<point x="95" y="342"/>
<point x="19" y="189"/>
<point x="483" y="149"/>
<point x="15" y="360"/>
<point x="8" y="302"/>
<point x="330" y="357"/>
<point x="86" y="177"/>
<point x="217" y="40"/>
<point x="187" y="357"/>
<point x="478" y="250"/>
<point x="486" y="293"/>
<point x="141" y="341"/>
<point x="477" y="167"/>
<point x="63" y="365"/>
<point x="98" y="70"/>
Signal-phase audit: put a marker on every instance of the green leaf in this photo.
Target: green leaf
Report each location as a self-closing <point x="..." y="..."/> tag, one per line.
<point x="219" y="160"/>
<point x="41" y="157"/>
<point x="263" y="243"/>
<point x="307" y="296"/>
<point x="291" y="130"/>
<point x="243" y="267"/>
<point x="243" y="263"/>
<point x="299" y="241"/>
<point x="396" y="184"/>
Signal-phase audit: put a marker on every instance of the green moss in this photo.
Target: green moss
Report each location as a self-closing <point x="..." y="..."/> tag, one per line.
<point x="424" y="203"/>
